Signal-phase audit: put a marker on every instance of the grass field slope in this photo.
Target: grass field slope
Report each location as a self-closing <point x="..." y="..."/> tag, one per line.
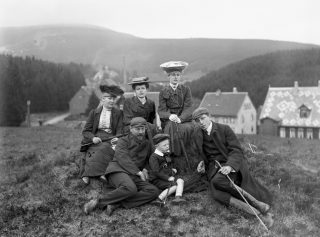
<point x="41" y="195"/>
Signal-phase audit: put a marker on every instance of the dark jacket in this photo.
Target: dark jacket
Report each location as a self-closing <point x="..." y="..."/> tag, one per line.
<point x="91" y="126"/>
<point x="160" y="167"/>
<point x="131" y="155"/>
<point x="177" y="102"/>
<point x="229" y="146"/>
<point x="133" y="107"/>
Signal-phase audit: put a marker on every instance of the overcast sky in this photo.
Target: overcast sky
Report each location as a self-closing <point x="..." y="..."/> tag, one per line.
<point x="290" y="20"/>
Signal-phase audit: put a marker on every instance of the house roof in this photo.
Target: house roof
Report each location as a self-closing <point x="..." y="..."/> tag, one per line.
<point x="150" y="95"/>
<point x="223" y="103"/>
<point x="283" y="103"/>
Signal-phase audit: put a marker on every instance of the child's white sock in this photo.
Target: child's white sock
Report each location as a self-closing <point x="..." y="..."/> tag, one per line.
<point x="180" y="184"/>
<point x="165" y="192"/>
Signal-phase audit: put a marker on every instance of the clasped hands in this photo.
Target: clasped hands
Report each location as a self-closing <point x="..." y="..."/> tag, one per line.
<point x="97" y="140"/>
<point x="174" y="118"/>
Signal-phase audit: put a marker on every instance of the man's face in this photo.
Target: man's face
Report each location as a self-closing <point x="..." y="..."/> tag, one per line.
<point x="204" y="121"/>
<point x="164" y="146"/>
<point x="174" y="77"/>
<point x="107" y="100"/>
<point x="141" y="91"/>
<point x="138" y="132"/>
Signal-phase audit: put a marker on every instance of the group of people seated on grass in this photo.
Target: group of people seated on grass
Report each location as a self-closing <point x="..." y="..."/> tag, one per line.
<point x="134" y="151"/>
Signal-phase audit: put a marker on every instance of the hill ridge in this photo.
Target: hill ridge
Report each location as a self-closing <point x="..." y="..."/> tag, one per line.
<point x="98" y="45"/>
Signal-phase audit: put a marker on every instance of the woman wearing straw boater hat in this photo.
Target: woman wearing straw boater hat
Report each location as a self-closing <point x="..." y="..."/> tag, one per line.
<point x="139" y="105"/>
<point x="103" y="122"/>
<point x="175" y="106"/>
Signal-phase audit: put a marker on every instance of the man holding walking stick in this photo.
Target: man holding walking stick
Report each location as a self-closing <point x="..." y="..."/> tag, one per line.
<point x="229" y="178"/>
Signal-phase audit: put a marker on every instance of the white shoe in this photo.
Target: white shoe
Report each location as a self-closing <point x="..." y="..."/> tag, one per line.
<point x="86" y="180"/>
<point x="90" y="206"/>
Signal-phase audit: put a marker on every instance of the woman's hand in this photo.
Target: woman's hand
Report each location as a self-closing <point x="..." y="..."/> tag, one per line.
<point x="114" y="141"/>
<point x="96" y="140"/>
<point x="171" y="179"/>
<point x="158" y="122"/>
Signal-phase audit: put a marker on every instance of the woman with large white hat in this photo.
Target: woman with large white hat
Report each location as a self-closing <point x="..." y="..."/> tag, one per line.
<point x="175" y="106"/>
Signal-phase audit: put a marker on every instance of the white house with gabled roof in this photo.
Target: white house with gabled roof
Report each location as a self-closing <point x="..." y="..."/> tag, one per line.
<point x="232" y="108"/>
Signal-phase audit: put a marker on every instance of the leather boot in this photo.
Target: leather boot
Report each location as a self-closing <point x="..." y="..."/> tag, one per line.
<point x="266" y="218"/>
<point x="234" y="202"/>
<point x="111" y="208"/>
<point x="261" y="206"/>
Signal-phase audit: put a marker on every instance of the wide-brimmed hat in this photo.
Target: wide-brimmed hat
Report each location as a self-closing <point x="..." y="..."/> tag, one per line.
<point x="174" y="66"/>
<point x="139" y="80"/>
<point x="113" y="90"/>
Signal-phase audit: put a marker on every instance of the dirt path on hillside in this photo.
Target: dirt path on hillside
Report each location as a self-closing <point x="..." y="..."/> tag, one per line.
<point x="56" y="119"/>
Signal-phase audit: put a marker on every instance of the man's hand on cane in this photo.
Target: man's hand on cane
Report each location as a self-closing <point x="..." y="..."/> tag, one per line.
<point x="225" y="170"/>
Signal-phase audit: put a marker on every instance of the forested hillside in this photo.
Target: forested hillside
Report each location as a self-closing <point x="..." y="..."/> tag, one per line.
<point x="255" y="74"/>
<point x="98" y="45"/>
<point x="47" y="85"/>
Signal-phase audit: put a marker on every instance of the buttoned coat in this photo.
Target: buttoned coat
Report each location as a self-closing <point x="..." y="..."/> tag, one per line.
<point x="91" y="126"/>
<point x="177" y="102"/>
<point x="131" y="155"/>
<point x="133" y="107"/>
<point x="229" y="146"/>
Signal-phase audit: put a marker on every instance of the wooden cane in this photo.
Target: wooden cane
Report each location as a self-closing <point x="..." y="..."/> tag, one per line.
<point x="236" y="187"/>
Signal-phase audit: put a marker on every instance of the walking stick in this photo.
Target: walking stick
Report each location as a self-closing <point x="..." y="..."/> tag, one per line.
<point x="183" y="148"/>
<point x="84" y="147"/>
<point x="234" y="185"/>
<point x="165" y="198"/>
<point x="169" y="186"/>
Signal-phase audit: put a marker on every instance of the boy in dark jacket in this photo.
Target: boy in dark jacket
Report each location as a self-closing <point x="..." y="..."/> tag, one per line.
<point x="162" y="173"/>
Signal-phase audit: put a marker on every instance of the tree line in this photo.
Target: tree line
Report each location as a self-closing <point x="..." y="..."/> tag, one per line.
<point x="49" y="86"/>
<point x="254" y="75"/>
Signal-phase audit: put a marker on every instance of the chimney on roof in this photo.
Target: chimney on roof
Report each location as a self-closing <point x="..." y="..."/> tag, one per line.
<point x="296" y="85"/>
<point x="218" y="92"/>
<point x="235" y="90"/>
<point x="319" y="83"/>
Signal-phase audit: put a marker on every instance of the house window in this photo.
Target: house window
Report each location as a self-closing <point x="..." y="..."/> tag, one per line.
<point x="292" y="132"/>
<point x="252" y="129"/>
<point x="304" y="111"/>
<point x="252" y="117"/>
<point x="310" y="133"/>
<point x="300" y="132"/>
<point x="242" y="118"/>
<point x="282" y="132"/>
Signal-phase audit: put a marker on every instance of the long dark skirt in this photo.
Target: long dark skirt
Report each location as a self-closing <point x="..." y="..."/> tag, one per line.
<point x="97" y="159"/>
<point x="179" y="134"/>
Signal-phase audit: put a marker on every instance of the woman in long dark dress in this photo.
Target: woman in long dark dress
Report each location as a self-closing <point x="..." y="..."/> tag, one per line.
<point x="139" y="105"/>
<point x="175" y="107"/>
<point x="102" y="123"/>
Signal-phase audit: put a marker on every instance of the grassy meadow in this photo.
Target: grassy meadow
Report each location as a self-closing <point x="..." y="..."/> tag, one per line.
<point x="41" y="194"/>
